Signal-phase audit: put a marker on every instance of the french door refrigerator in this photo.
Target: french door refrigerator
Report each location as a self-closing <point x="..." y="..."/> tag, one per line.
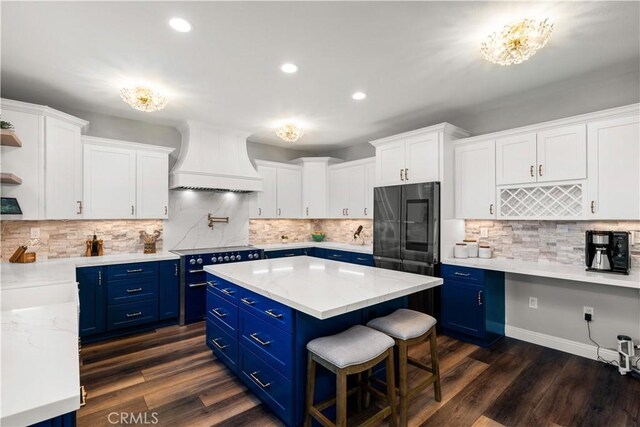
<point x="406" y="235"/>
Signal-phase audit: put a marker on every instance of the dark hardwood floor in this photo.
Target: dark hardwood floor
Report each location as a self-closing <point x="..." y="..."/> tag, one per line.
<point x="170" y="375"/>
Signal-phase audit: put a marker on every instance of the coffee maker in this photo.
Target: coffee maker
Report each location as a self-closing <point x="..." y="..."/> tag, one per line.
<point x="607" y="251"/>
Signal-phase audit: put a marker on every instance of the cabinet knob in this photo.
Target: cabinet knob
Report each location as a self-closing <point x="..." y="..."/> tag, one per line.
<point x="401" y="174"/>
<point x="540" y="170"/>
<point x="406" y="174"/>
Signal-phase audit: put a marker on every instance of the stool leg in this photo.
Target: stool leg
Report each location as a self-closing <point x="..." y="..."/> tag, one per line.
<point x="311" y="387"/>
<point x="341" y="399"/>
<point x="403" y="383"/>
<point x="360" y="385"/>
<point x="391" y="389"/>
<point x="367" y="394"/>
<point x="435" y="364"/>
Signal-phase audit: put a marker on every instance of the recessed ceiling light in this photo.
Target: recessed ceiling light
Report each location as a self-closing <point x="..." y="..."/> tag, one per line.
<point x="180" y="25"/>
<point x="289" y="68"/>
<point x="358" y="96"/>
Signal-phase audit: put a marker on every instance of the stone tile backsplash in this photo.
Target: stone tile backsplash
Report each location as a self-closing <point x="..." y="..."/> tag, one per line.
<point x="263" y="231"/>
<point x="63" y="239"/>
<point x="546" y="241"/>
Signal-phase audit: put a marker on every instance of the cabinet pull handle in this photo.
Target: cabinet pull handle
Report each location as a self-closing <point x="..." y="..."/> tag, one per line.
<point x="401" y="174"/>
<point x="227" y="291"/>
<point x="83" y="396"/>
<point x="254" y="336"/>
<point x="197" y="285"/>
<point x="491" y="208"/>
<point x="212" y="284"/>
<point x="479" y="297"/>
<point x="457" y="273"/>
<point x="166" y="210"/>
<point x="196" y="271"/>
<point x="130" y="291"/>
<point x="137" y="270"/>
<point x="99" y="277"/>
<point x="361" y="259"/>
<point x="272" y="314"/>
<point x="257" y="380"/>
<point x="247" y="301"/>
<point x="79" y="202"/>
<point x="132" y="210"/>
<point x="279" y="212"/>
<point x="540" y="170"/>
<point x="289" y="254"/>
<point x="406" y="174"/>
<point x="217" y="313"/>
<point x="593" y="206"/>
<point x="365" y="211"/>
<point x="176" y="266"/>
<point x="136" y="314"/>
<point x="531" y="171"/>
<point x="259" y="211"/>
<point x="220" y="347"/>
<point x="307" y="211"/>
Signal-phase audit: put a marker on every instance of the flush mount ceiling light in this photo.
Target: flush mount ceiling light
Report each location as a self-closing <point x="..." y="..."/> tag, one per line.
<point x="358" y="96"/>
<point x="180" y="25"/>
<point x="289" y="132"/>
<point x="143" y="98"/>
<point x="517" y="42"/>
<point x="289" y="68"/>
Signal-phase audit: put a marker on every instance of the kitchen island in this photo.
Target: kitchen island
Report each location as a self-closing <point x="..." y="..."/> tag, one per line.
<point x="261" y="314"/>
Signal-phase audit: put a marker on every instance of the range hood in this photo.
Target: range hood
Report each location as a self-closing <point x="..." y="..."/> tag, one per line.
<point x="213" y="159"/>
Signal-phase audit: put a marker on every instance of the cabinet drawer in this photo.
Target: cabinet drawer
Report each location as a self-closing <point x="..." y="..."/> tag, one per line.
<point x="338" y="255"/>
<point x="124" y="271"/>
<point x="463" y="274"/>
<point x="223" y="313"/>
<point x="225" y="289"/>
<point x="124" y="291"/>
<point x="362" y="259"/>
<point x="223" y="345"/>
<point x="131" y="314"/>
<point x="270" y="386"/>
<point x="272" y="344"/>
<point x="266" y="309"/>
<point x="284" y="253"/>
<point x="319" y="253"/>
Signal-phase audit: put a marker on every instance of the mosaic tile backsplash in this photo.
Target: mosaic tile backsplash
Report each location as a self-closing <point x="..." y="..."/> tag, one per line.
<point x="263" y="231"/>
<point x="546" y="241"/>
<point x="63" y="239"/>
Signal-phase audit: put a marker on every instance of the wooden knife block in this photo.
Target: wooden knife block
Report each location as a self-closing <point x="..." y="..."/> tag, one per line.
<point x="22" y="256"/>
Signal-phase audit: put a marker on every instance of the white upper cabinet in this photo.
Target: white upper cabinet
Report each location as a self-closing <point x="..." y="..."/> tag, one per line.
<point x="315" y="185"/>
<point x="369" y="184"/>
<point x="152" y="182"/>
<point x="614" y="168"/>
<point x="63" y="169"/>
<point x="357" y="191"/>
<point x="422" y="158"/>
<point x="390" y="160"/>
<point x="475" y="180"/>
<point x="289" y="192"/>
<point x="282" y="191"/>
<point x="562" y="153"/>
<point x="351" y="194"/>
<point x="338" y="192"/>
<point x="516" y="159"/>
<point x="264" y="202"/>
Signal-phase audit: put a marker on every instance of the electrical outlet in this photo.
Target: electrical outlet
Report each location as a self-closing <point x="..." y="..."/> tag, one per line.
<point x="588" y="310"/>
<point x="484" y="232"/>
<point x="533" y="303"/>
<point x="35" y="233"/>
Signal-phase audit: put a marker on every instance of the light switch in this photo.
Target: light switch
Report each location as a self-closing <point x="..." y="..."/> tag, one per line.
<point x="484" y="232"/>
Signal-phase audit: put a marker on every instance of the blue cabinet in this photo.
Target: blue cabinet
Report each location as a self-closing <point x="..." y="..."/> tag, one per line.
<point x="336" y="255"/>
<point x="169" y="290"/>
<point x="472" y="304"/>
<point x="333" y="254"/>
<point x="92" y="291"/>
<point x="284" y="253"/>
<point x="65" y="420"/>
<point x="362" y="259"/>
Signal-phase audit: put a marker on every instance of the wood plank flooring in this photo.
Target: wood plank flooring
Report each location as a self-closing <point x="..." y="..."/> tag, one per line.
<point x="170" y="375"/>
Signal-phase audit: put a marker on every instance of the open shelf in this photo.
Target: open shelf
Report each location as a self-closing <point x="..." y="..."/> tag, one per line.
<point x="9" y="178"/>
<point x="9" y="138"/>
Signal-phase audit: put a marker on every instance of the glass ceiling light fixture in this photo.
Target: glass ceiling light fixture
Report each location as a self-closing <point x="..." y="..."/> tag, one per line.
<point x="289" y="132"/>
<point x="517" y="42"/>
<point x="143" y="98"/>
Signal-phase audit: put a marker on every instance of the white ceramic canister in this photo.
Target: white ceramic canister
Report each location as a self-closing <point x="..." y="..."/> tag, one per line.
<point x="460" y="250"/>
<point x="484" y="251"/>
<point x="472" y="248"/>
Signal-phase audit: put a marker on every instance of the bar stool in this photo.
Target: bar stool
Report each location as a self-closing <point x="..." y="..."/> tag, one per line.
<point x="353" y="351"/>
<point x="408" y="328"/>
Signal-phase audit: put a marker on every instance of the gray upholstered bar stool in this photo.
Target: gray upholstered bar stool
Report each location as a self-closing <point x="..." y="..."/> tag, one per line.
<point x="407" y="328"/>
<point x="353" y="351"/>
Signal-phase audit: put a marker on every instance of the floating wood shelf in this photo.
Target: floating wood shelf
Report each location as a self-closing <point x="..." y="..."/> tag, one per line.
<point x="9" y="138"/>
<point x="9" y="178"/>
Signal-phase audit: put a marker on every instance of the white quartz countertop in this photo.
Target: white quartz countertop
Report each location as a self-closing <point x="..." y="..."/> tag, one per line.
<point x="556" y="271"/>
<point x="363" y="249"/>
<point x="322" y="288"/>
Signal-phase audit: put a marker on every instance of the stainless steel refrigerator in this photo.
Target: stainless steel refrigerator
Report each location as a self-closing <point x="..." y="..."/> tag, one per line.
<point x="406" y="235"/>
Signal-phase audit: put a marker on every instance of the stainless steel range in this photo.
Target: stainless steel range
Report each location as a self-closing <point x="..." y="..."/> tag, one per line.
<point x="193" y="282"/>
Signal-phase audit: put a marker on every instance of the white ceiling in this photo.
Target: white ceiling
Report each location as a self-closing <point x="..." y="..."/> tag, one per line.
<point x="407" y="57"/>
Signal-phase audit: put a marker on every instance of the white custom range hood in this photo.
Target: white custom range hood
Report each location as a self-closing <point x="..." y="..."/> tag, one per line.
<point x="213" y="159"/>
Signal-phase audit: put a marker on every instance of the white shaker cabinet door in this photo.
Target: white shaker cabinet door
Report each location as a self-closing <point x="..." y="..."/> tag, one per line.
<point x="289" y="193"/>
<point x="369" y="185"/>
<point x="390" y="163"/>
<point x="614" y="169"/>
<point x="152" y="186"/>
<point x="562" y="154"/>
<point x="356" y="184"/>
<point x="109" y="182"/>
<point x="422" y="158"/>
<point x="338" y="192"/>
<point x="63" y="170"/>
<point x="264" y="202"/>
<point x="516" y="159"/>
<point x="475" y="181"/>
<point x="314" y="190"/>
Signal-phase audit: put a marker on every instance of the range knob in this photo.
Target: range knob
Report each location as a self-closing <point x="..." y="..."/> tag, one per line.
<point x="219" y="259"/>
<point x="214" y="259"/>
<point x="199" y="261"/>
<point x="238" y="257"/>
<point x="226" y="258"/>
<point x="250" y="256"/>
<point x="192" y="261"/>
<point x="256" y="256"/>
<point x="233" y="257"/>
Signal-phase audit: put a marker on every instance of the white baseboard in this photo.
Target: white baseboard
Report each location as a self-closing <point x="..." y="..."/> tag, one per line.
<point x="568" y="346"/>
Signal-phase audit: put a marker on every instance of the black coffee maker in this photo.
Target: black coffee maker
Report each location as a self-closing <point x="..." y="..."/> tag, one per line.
<point x="608" y="251"/>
